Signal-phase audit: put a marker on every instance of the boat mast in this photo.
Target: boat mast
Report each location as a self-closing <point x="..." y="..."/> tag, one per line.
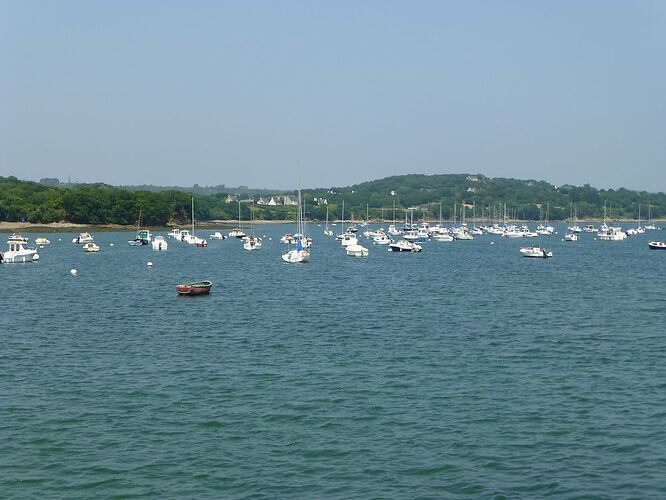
<point x="192" y="215"/>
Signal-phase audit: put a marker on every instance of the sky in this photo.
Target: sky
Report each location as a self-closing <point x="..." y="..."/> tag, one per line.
<point x="273" y="94"/>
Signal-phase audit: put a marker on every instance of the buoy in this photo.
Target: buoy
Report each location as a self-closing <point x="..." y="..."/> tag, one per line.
<point x="150" y="264"/>
<point x="492" y="242"/>
<point x="73" y="272"/>
<point x="110" y="244"/>
<point x="59" y="239"/>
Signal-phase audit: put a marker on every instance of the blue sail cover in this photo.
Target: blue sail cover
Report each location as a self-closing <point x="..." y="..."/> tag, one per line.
<point x="299" y="247"/>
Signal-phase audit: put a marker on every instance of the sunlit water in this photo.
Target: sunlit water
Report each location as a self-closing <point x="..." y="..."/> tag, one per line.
<point x="465" y="370"/>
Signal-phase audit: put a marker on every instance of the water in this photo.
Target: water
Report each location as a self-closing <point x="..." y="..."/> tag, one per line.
<point x="463" y="371"/>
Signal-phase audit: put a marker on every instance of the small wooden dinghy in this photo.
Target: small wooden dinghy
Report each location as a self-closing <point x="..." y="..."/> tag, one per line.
<point x="196" y="288"/>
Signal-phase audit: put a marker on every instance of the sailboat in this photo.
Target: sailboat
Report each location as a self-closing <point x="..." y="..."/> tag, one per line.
<point x="252" y="242"/>
<point x="191" y="238"/>
<point x="327" y="230"/>
<point x="299" y="254"/>
<point x="143" y="236"/>
<point x="238" y="232"/>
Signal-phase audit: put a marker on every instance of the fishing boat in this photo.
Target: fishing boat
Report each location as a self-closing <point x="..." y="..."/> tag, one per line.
<point x="299" y="254"/>
<point x="42" y="241"/>
<point x="657" y="245"/>
<point x="217" y="236"/>
<point x="571" y="237"/>
<point x="195" y="288"/>
<point x="18" y="251"/>
<point x="536" y="252"/>
<point x="160" y="243"/>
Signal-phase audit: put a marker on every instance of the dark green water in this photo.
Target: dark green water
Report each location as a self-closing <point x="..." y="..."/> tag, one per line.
<point x="463" y="371"/>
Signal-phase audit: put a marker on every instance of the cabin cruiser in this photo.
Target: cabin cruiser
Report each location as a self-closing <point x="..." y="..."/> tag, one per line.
<point x="590" y="229"/>
<point x="251" y="243"/>
<point x="217" y="236"/>
<point x="657" y="245"/>
<point x="237" y="233"/>
<point x="611" y="234"/>
<point x="82" y="239"/>
<point x="536" y="252"/>
<point x="18" y="251"/>
<point x="357" y="251"/>
<point x="143" y="237"/>
<point x="160" y="243"/>
<point x="174" y="233"/>
<point x="90" y="247"/>
<point x="404" y="246"/>
<point x="381" y="239"/>
<point x="393" y="231"/>
<point x="348" y="239"/>
<point x="571" y="237"/>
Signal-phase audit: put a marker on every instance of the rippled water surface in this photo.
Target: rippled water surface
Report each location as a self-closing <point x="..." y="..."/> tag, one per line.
<point x="463" y="371"/>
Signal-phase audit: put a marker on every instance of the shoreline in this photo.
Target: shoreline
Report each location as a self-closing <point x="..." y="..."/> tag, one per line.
<point x="55" y="227"/>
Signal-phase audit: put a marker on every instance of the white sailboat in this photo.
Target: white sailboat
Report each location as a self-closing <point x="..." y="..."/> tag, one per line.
<point x="252" y="242"/>
<point x="298" y="254"/>
<point x="327" y="231"/>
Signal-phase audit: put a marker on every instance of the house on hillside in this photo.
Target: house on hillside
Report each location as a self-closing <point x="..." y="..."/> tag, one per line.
<point x="261" y="201"/>
<point x="288" y="200"/>
<point x="274" y="201"/>
<point x="230" y="199"/>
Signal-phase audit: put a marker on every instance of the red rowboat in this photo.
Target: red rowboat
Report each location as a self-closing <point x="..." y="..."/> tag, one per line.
<point x="197" y="288"/>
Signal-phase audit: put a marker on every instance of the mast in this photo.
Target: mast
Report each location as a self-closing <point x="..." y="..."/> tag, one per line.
<point x="343" y="216"/>
<point x="192" y="215"/>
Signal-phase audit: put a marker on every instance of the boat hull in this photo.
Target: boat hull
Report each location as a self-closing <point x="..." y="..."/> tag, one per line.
<point x="657" y="245"/>
<point x="199" y="288"/>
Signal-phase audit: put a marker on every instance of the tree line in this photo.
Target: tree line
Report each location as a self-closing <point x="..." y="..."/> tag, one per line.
<point x="427" y="195"/>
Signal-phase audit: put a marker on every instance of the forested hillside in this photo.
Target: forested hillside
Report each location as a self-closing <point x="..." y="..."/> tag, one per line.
<point x="490" y="197"/>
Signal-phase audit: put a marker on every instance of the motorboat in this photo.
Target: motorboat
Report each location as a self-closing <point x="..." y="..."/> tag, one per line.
<point x="252" y="243"/>
<point x="381" y="239"/>
<point x="657" y="245"/>
<point x="536" y="252"/>
<point x="612" y="234"/>
<point x="174" y="233"/>
<point x="184" y="235"/>
<point x="82" y="239"/>
<point x="18" y="251"/>
<point x="357" y="251"/>
<point x="348" y="239"/>
<point x="200" y="242"/>
<point x="571" y="237"/>
<point x="441" y="236"/>
<point x="217" y="236"/>
<point x="237" y="233"/>
<point x="590" y="229"/>
<point x="160" y="243"/>
<point x="393" y="231"/>
<point x="575" y="229"/>
<point x="404" y="246"/>
<point x="90" y="248"/>
<point x="41" y="241"/>
<point x="196" y="288"/>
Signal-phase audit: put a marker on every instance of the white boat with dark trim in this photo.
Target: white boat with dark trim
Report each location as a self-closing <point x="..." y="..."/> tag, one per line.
<point x="18" y="251"/>
<point x="381" y="239"/>
<point x="82" y="239"/>
<point x="657" y="245"/>
<point x="217" y="236"/>
<point x="404" y="246"/>
<point x="571" y="237"/>
<point x="537" y="252"/>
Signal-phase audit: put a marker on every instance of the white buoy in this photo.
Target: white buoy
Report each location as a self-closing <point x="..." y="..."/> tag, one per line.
<point x="110" y="244"/>
<point x="73" y="272"/>
<point x="150" y="264"/>
<point x="492" y="242"/>
<point x="59" y="239"/>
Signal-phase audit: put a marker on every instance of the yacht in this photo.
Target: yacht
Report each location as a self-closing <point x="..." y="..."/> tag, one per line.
<point x="348" y="239"/>
<point x="174" y="233"/>
<point x="18" y="251"/>
<point x="611" y="234"/>
<point x="590" y="229"/>
<point x="571" y="237"/>
<point x="381" y="239"/>
<point x="393" y="231"/>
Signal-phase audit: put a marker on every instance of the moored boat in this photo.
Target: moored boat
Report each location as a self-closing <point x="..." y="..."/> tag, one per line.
<point x="82" y="239"/>
<point x="160" y="243"/>
<point x="404" y="246"/>
<point x="657" y="245"/>
<point x="90" y="247"/>
<point x="357" y="251"/>
<point x="42" y="241"/>
<point x="536" y="252"/>
<point x="18" y="251"/>
<point x="195" y="288"/>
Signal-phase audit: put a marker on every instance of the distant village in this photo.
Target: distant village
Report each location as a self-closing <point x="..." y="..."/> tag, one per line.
<point x="275" y="201"/>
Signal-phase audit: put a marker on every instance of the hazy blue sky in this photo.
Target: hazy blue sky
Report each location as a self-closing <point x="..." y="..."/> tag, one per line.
<point x="215" y="92"/>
